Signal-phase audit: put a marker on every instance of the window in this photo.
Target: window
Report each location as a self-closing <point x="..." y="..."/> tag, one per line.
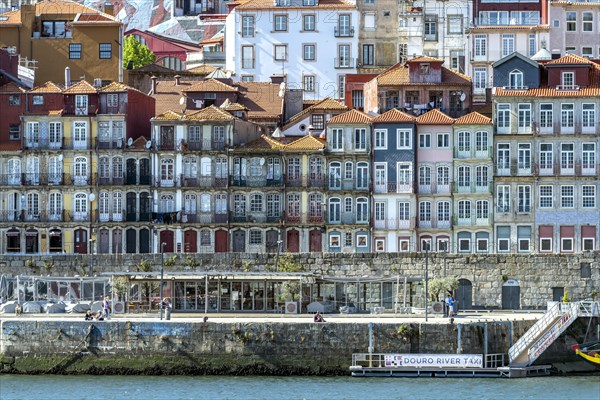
<point x="588" y="244"/>
<point x="588" y="196"/>
<point x="464" y="245"/>
<point x="524" y="17"/>
<point x="546" y="156"/>
<point x="464" y="142"/>
<point x="567" y="196"/>
<point x="341" y="86"/>
<point x="570" y="50"/>
<point x="248" y="57"/>
<point x="280" y="23"/>
<point x="334" y="241"/>
<point x="343" y="60"/>
<point x="348" y="170"/>
<point x="424" y="140"/>
<point x="379" y="211"/>
<point x="455" y="24"/>
<point x="532" y="45"/>
<point x="493" y="18"/>
<point x="362" y="211"/>
<point x="247" y="25"/>
<point x="308" y="82"/>
<point x="508" y="44"/>
<point x="546" y="117"/>
<point x="524" y="193"/>
<point x="479" y="78"/>
<point x="368" y="54"/>
<point x="503" y="116"/>
<point x="14" y="100"/>
<point x="404" y="212"/>
<point x="308" y="2"/>
<point x="515" y="79"/>
<point x="357" y="99"/>
<point x="464" y="209"/>
<point x="424" y="176"/>
<point x="256" y="203"/>
<point x="443" y="176"/>
<point x="75" y="51"/>
<point x="360" y="139"/>
<point x="38" y="100"/>
<point x="105" y="50"/>
<point x="546" y="244"/>
<point x="309" y="52"/>
<point x="482" y="209"/>
<point x="369" y="20"/>
<point x="317" y="121"/>
<point x="567" y="115"/>
<point x="112" y="100"/>
<point x="566" y="156"/>
<point x="403" y="138"/>
<point x="588" y="115"/>
<point x="588" y="158"/>
<point x="337" y="137"/>
<point x="348" y="239"/>
<point x="524" y="117"/>
<point x="430" y="27"/>
<point x="480" y="45"/>
<point x="425" y="212"/>
<point x="566" y="244"/>
<point x="344" y="28"/>
<point x="256" y="236"/>
<point x="481" y="177"/>
<point x="443" y="140"/>
<point x="381" y="139"/>
<point x="568" y="80"/>
<point x="481" y="141"/>
<point x="464" y="177"/>
<point x="405" y="178"/>
<point x="247" y="78"/>
<point x="571" y="21"/>
<point x="587" y="52"/>
<point x="54" y="28"/>
<point x="280" y="52"/>
<point x="308" y="22"/>
<point x="588" y="21"/>
<point x="503" y="198"/>
<point x="443" y="212"/>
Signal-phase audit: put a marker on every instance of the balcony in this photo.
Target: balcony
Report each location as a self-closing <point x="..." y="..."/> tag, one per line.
<point x="257" y="218"/>
<point x="37" y="179"/>
<point x="41" y="216"/>
<point x="547" y="169"/>
<point x="471" y="220"/>
<point x="71" y="109"/>
<point x="346" y="218"/>
<point x="134" y="216"/>
<point x="254" y="181"/>
<point x="484" y="153"/>
<point x="168" y="183"/>
<point x="204" y="145"/>
<point x="110" y="180"/>
<point x="395" y="223"/>
<point x="110" y="144"/>
<point x="587" y="169"/>
<point x="317" y="218"/>
<point x="43" y="144"/>
<point x="112" y="216"/>
<point x="347" y="184"/>
<point x="344" y="63"/>
<point x="394" y="187"/>
<point x="434" y="188"/>
<point x="433" y="223"/>
<point x="203" y="217"/>
<point x="343" y="32"/>
<point x="472" y="187"/>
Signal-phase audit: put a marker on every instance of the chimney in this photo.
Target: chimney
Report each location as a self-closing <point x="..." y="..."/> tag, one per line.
<point x="153" y="85"/>
<point x="67" y="77"/>
<point x="177" y="78"/>
<point x="109" y="9"/>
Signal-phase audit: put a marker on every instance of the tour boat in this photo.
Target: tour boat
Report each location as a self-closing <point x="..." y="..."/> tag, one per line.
<point x="589" y="352"/>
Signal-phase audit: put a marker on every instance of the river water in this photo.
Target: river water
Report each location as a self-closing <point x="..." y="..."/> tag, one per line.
<point x="87" y="387"/>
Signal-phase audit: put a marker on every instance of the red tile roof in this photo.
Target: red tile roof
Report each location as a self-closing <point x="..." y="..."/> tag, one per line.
<point x="434" y="117"/>
<point x="81" y="87"/>
<point x="48" y="87"/>
<point x="11" y="87"/>
<point x="210" y="85"/>
<point x="570" y="59"/>
<point x="425" y="59"/>
<point x="60" y="7"/>
<point x="327" y="104"/>
<point x="351" y="117"/>
<point x="394" y="115"/>
<point x="398" y="76"/>
<point x="321" y="4"/>
<point x="473" y="118"/>
<point x="306" y="143"/>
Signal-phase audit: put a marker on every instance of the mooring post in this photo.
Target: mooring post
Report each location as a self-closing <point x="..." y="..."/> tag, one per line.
<point x="370" y="344"/>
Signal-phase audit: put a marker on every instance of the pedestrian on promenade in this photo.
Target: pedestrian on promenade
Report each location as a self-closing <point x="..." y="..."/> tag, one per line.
<point x="18" y="310"/>
<point x="450" y="304"/>
<point x="106" y="308"/>
<point x="318" y="317"/>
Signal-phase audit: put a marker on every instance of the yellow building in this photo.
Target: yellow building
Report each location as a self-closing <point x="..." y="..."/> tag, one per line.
<point x="59" y="34"/>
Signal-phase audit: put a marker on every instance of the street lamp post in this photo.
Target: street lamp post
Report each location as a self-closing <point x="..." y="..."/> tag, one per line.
<point x="277" y="255"/>
<point x="92" y="256"/>
<point x="445" y="254"/>
<point x="162" y="270"/>
<point x="426" y="283"/>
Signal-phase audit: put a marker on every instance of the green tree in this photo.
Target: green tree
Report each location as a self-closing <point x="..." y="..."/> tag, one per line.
<point x="137" y="53"/>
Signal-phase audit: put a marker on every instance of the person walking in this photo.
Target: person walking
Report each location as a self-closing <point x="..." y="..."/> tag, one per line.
<point x="450" y="304"/>
<point x="106" y="307"/>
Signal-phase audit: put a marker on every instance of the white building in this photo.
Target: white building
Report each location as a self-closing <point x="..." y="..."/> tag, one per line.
<point x="312" y="43"/>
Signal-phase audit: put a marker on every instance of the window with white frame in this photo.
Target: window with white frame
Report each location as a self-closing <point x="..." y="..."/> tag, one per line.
<point x="524" y="117"/>
<point x="280" y="52"/>
<point x="588" y="157"/>
<point x="503" y="116"/>
<point x="403" y="139"/>
<point x="481" y="176"/>
<point x="348" y="239"/>
<point x="443" y="212"/>
<point x="464" y="209"/>
<point x="317" y="121"/>
<point x="464" y="177"/>
<point x="379" y="244"/>
<point x="482" y="245"/>
<point x="362" y="175"/>
<point x="256" y="237"/>
<point x="247" y="25"/>
<point x="532" y="45"/>
<point x="335" y="241"/>
<point x="567" y="155"/>
<point x="571" y="21"/>
<point x="508" y="44"/>
<point x="566" y="245"/>
<point x="479" y="78"/>
<point x="403" y="212"/>
<point x="380" y="211"/>
<point x="588" y="115"/>
<point x="482" y="209"/>
<point x="464" y="141"/>
<point x="425" y="212"/>
<point x="567" y="115"/>
<point x="380" y="139"/>
<point x="588" y="244"/>
<point x="493" y="18"/>
<point x="464" y="245"/>
<point x="567" y="80"/>
<point x="587" y="51"/>
<point x="404" y="171"/>
<point x="443" y="140"/>
<point x="280" y="23"/>
<point x="515" y="79"/>
<point x="256" y="203"/>
<point x="545" y="245"/>
<point x="358" y="99"/>
<point x="424" y="140"/>
<point x="524" y="195"/>
<point x="588" y="21"/>
<point x="455" y="23"/>
<point x="426" y="244"/>
<point x="309" y="52"/>
<point x="503" y="198"/>
<point x="348" y="205"/>
<point x="481" y="141"/>
<point x="335" y="175"/>
<point x="567" y="196"/>
<point x="239" y="205"/>
<point x="360" y="139"/>
<point x="424" y="175"/>
<point x="337" y="139"/>
<point x="308" y="82"/>
<point x="348" y="170"/>
<point x="248" y="60"/>
<point x="546" y="116"/>
<point x="443" y="176"/>
<point x="546" y="194"/>
<point x="524" y="157"/>
<point x="362" y="210"/>
<point x="588" y="196"/>
<point x="480" y="45"/>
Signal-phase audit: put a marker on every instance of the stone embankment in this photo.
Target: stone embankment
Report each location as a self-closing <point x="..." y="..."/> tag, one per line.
<point x="536" y="275"/>
<point x="273" y="347"/>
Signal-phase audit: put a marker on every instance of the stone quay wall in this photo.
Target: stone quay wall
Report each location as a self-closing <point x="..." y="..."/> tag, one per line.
<point x="274" y="348"/>
<point x="536" y="275"/>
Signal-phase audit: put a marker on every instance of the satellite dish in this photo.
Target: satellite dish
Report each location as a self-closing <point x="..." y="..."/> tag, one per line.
<point x="282" y="86"/>
<point x="148" y="144"/>
<point x="129" y="141"/>
<point x="91" y="197"/>
<point x="182" y="100"/>
<point x="60" y="157"/>
<point x="228" y="74"/>
<point x="463" y="97"/>
<point x="262" y="161"/>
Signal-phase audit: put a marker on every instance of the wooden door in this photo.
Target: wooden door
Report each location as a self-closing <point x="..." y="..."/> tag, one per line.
<point x="315" y="241"/>
<point x="511" y="295"/>
<point x="190" y="238"/>
<point x="117" y="241"/>
<point x="103" y="241"/>
<point x="272" y="237"/>
<point x="167" y="237"/>
<point x="131" y="241"/>
<point x="239" y="241"/>
<point x="293" y="241"/>
<point x="464" y="295"/>
<point x="81" y="241"/>
<point x="144" y="240"/>
<point x="131" y="172"/>
<point x="221" y="241"/>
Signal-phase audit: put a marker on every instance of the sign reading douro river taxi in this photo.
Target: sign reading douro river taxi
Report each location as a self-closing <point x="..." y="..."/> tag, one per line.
<point x="434" y="360"/>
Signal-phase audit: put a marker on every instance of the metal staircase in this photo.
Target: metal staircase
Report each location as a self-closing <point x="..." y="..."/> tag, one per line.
<point x="547" y="329"/>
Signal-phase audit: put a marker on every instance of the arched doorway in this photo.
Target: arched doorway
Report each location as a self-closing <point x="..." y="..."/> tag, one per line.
<point x="464" y="294"/>
<point x="81" y="241"/>
<point x="117" y="241"/>
<point x="511" y="295"/>
<point x="221" y="241"/>
<point x="130" y="241"/>
<point x="239" y="241"/>
<point x="315" y="241"/>
<point x="55" y="244"/>
<point x="13" y="241"/>
<point x="103" y="241"/>
<point x="190" y="240"/>
<point x="293" y="241"/>
<point x="167" y="237"/>
<point x="145" y="241"/>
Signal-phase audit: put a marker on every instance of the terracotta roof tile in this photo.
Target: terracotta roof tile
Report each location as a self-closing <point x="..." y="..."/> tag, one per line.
<point x="13" y="145"/>
<point x="61" y="7"/>
<point x="510" y="28"/>
<point x="425" y="59"/>
<point x="306" y="143"/>
<point x="261" y="144"/>
<point x="322" y="4"/>
<point x="210" y="113"/>
<point x="210" y="85"/>
<point x="351" y="117"/>
<point x="214" y="40"/>
<point x="547" y="92"/>
<point x="261" y="99"/>
<point x="570" y="59"/>
<point x="473" y="118"/>
<point x="168" y="116"/>
<point x="203" y="69"/>
<point x="327" y="104"/>
<point x="11" y="18"/>
<point x="398" y="76"/>
<point x="11" y="87"/>
<point x="434" y="117"/>
<point x="48" y="87"/>
<point x="81" y="87"/>
<point x="115" y="87"/>
<point x="233" y="107"/>
<point x="139" y="144"/>
<point x="394" y="115"/>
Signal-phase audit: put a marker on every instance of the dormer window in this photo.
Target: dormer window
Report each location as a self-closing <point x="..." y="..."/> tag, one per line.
<point x="309" y="2"/>
<point x="210" y="96"/>
<point x="38" y="100"/>
<point x="516" y="79"/>
<point x="81" y="104"/>
<point x="567" y="80"/>
<point x="283" y="2"/>
<point x="424" y="68"/>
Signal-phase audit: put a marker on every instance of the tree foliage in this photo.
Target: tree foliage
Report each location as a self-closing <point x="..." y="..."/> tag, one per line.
<point x="137" y="53"/>
<point x="438" y="286"/>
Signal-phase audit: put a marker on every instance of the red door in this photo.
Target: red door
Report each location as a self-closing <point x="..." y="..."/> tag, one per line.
<point x="293" y="241"/>
<point x="315" y="244"/>
<point x="189" y="240"/>
<point x="81" y="241"/>
<point x="221" y="242"/>
<point x="167" y="238"/>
